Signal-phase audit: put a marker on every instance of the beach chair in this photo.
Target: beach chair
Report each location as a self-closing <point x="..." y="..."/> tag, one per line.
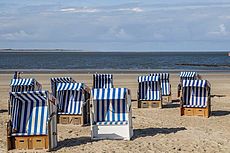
<point x="196" y="98"/>
<point x="165" y="86"/>
<point x="102" y="81"/>
<point x="20" y="85"/>
<point x="73" y="103"/>
<point x="185" y="76"/>
<point x="25" y="84"/>
<point x="149" y="92"/>
<point x="111" y="114"/>
<point x="32" y="123"/>
<point x="56" y="80"/>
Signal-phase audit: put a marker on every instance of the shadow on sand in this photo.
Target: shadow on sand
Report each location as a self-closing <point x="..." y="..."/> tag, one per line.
<point x="153" y="131"/>
<point x="220" y="113"/>
<point x="73" y="142"/>
<point x="172" y="105"/>
<point x="3" y="110"/>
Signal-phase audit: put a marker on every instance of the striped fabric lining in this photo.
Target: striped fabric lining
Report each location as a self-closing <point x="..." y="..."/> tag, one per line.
<point x="196" y="83"/>
<point x="21" y="85"/>
<point x="148" y="78"/>
<point x="26" y="84"/>
<point x="33" y="113"/>
<point x="110" y="111"/>
<point x="110" y="106"/>
<point x="113" y="123"/>
<point x="149" y="88"/>
<point x="69" y="86"/>
<point x="70" y="97"/>
<point x="22" y="82"/>
<point x="195" y="93"/>
<point x="188" y="75"/>
<point x="165" y="85"/>
<point x="109" y="93"/>
<point x="102" y="81"/>
<point x="55" y="81"/>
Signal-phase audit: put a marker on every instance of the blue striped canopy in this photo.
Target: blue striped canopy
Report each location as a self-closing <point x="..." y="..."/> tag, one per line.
<point x="69" y="86"/>
<point x="27" y="96"/>
<point x="195" y="93"/>
<point x="102" y="81"/>
<point x="109" y="93"/>
<point x="163" y="76"/>
<point x="110" y="106"/>
<point x="165" y="85"/>
<point x="56" y="80"/>
<point x="196" y="83"/>
<point x="188" y="74"/>
<point x="70" y="97"/>
<point x="22" y="82"/>
<point x="32" y="113"/>
<point x="148" y="78"/>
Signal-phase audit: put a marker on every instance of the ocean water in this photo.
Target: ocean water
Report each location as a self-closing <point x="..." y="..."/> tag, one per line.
<point x="115" y="60"/>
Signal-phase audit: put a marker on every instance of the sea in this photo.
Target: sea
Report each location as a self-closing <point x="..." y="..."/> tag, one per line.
<point x="50" y="60"/>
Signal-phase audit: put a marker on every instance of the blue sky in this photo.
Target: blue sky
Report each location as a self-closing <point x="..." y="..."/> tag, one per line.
<point x="133" y="25"/>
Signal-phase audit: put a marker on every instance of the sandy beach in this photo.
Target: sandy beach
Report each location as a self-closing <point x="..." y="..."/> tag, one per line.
<point x="155" y="130"/>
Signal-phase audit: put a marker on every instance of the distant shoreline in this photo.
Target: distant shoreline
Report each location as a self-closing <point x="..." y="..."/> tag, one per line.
<point x="118" y="71"/>
<point x="102" y="51"/>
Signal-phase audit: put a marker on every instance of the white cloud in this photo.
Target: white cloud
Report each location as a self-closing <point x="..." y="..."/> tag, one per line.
<point x="79" y="10"/>
<point x="222" y="31"/>
<point x="135" y="9"/>
<point x="19" y="35"/>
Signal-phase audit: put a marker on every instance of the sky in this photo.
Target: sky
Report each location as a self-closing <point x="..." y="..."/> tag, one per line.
<point x="117" y="25"/>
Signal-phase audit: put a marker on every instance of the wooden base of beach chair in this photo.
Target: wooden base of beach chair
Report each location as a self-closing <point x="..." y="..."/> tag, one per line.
<point x="166" y="99"/>
<point x="149" y="104"/>
<point x="70" y="119"/>
<point x="29" y="142"/>
<point x="203" y="112"/>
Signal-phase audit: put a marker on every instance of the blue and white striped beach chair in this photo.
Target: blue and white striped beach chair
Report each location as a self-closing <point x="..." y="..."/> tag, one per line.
<point x="25" y="84"/>
<point x="111" y="114"/>
<point x="35" y="126"/>
<point x="73" y="103"/>
<point x="20" y="85"/>
<point x="56" y="80"/>
<point x="149" y="92"/>
<point x="186" y="76"/>
<point x="196" y="98"/>
<point x="102" y="81"/>
<point x="165" y="86"/>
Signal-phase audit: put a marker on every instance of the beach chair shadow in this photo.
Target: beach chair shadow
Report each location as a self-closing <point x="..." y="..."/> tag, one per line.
<point x="153" y="131"/>
<point x="73" y="142"/>
<point x="3" y="110"/>
<point x="220" y="113"/>
<point x="172" y="105"/>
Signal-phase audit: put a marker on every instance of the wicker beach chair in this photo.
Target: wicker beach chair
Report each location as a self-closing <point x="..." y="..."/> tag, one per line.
<point x="73" y="103"/>
<point x="56" y="80"/>
<point x="111" y="114"/>
<point x="165" y="86"/>
<point x="20" y="85"/>
<point x="32" y="123"/>
<point x="102" y="81"/>
<point x="149" y="92"/>
<point x="196" y="100"/>
<point x="186" y="76"/>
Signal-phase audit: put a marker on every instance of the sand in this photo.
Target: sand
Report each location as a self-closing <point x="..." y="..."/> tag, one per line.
<point x="155" y="130"/>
